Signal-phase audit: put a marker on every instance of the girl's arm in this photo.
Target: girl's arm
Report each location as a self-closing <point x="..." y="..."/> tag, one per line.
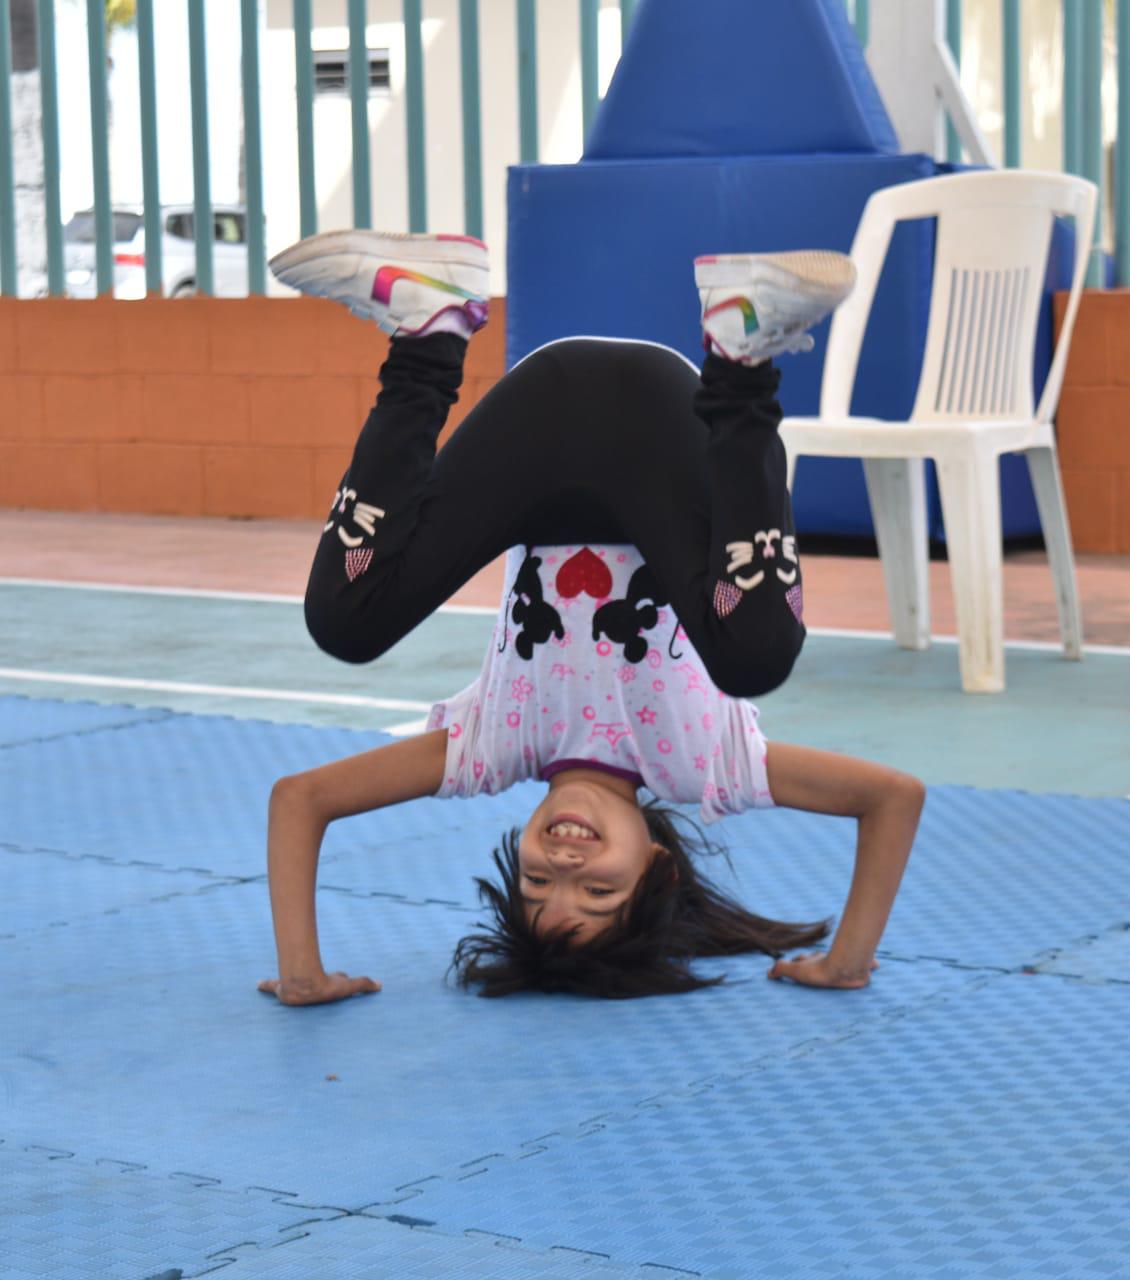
<point x="887" y="804"/>
<point x="301" y="808"/>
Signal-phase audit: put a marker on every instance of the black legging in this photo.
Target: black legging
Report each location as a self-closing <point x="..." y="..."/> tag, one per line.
<point x="583" y="441"/>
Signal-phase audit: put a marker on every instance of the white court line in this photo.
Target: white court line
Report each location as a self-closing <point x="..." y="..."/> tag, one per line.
<point x="1041" y="646"/>
<point x="219" y="690"/>
<point x="204" y="593"/>
<point x="844" y="633"/>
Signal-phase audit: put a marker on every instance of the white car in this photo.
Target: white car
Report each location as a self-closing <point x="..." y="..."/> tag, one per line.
<point x="178" y="252"/>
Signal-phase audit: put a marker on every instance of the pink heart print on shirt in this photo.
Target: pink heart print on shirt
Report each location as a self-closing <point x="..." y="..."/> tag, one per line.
<point x="585" y="572"/>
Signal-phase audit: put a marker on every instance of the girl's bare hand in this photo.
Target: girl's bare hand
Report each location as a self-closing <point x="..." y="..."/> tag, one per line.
<point x="322" y="990"/>
<point x="815" y="970"/>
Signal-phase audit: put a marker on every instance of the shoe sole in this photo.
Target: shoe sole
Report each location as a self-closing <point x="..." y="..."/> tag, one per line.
<point x="458" y="251"/>
<point x="818" y="274"/>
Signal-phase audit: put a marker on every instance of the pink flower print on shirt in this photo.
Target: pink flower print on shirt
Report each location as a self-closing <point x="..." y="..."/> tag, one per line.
<point x="659" y="685"/>
<point x="520" y="689"/>
<point x="560" y="670"/>
<point x="646" y="715"/>
<point x="707" y="721"/>
<point x="565" y="641"/>
<point x="654" y="658"/>
<point x="612" y="733"/>
<point x="662" y="618"/>
<point x="477" y="767"/>
<point x="589" y="713"/>
<point x="557" y="728"/>
<point x="664" y="746"/>
<point x="626" y="674"/>
<point x="513" y="719"/>
<point x="700" y="763"/>
<point x="604" y="648"/>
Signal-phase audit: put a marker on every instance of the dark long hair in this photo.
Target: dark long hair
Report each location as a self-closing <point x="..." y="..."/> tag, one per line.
<point x="673" y="915"/>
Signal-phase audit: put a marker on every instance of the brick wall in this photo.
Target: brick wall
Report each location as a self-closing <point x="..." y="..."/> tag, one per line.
<point x="1093" y="423"/>
<point x="202" y="406"/>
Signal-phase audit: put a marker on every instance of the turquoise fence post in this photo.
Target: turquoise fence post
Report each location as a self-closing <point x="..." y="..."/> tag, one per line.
<point x="253" y="149"/>
<point x="1072" y="87"/>
<point x="359" y="102"/>
<point x="953" y="39"/>
<point x="304" y="103"/>
<point x="49" y="110"/>
<point x="590" y="64"/>
<point x="1122" y="165"/>
<point x="414" y="95"/>
<point x="627" y="13"/>
<point x="472" y="118"/>
<point x="99" y="146"/>
<point x="1010" y="38"/>
<point x="863" y="21"/>
<point x="201" y="171"/>
<point x="150" y="175"/>
<point x="528" y="81"/>
<point x="1092" y="151"/>
<point x="9" y="272"/>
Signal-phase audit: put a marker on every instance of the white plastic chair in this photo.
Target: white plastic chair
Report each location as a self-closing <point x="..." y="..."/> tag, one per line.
<point x="974" y="399"/>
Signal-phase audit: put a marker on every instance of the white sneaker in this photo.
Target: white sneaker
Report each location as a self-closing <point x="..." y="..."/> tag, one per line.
<point x="409" y="284"/>
<point x="757" y="305"/>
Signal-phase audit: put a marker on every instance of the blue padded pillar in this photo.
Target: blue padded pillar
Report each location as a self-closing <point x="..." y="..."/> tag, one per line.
<point x="741" y="77"/>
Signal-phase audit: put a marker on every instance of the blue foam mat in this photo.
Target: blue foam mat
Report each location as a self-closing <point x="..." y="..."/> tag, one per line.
<point x="68" y="1218"/>
<point x="45" y="889"/>
<point x="758" y="1128"/>
<point x="436" y="1080"/>
<point x="985" y="886"/>
<point x="971" y="1138"/>
<point x="24" y="720"/>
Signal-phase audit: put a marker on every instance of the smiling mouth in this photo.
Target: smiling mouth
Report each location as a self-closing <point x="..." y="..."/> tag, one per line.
<point x="570" y="827"/>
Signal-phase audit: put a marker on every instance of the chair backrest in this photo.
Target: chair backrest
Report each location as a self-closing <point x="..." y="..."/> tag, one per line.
<point x="990" y="261"/>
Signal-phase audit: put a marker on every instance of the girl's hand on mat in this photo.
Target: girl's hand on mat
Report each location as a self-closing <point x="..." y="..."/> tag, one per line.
<point x="816" y="970"/>
<point x="322" y="990"/>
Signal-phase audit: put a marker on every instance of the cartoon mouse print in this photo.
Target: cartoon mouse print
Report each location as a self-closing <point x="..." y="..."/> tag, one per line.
<point x="538" y="619"/>
<point x="623" y="620"/>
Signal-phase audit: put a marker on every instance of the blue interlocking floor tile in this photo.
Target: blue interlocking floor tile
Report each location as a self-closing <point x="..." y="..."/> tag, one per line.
<point x="361" y="1248"/>
<point x="63" y="1217"/>
<point x="25" y="720"/>
<point x="995" y="879"/>
<point x="1104" y="958"/>
<point x="141" y="1037"/>
<point x="192" y="791"/>
<point x="43" y="889"/>
<point x="981" y="1137"/>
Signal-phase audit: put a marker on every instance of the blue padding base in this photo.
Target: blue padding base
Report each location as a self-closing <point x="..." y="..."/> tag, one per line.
<point x="607" y="249"/>
<point x="956" y="1118"/>
<point x="740" y="78"/>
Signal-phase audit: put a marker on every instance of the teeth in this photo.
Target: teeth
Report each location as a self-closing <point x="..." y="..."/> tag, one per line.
<point x="572" y="829"/>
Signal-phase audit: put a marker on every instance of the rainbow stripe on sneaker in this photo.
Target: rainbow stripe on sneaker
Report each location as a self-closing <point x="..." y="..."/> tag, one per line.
<point x="386" y="277"/>
<point x="749" y="316"/>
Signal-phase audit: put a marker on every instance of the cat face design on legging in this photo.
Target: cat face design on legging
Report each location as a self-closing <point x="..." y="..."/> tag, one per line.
<point x="622" y="621"/>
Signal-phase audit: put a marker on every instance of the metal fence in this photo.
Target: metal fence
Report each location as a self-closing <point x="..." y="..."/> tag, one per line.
<point x="1083" y="30"/>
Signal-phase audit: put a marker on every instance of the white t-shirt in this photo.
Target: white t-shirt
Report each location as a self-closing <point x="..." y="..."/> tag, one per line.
<point x="585" y="670"/>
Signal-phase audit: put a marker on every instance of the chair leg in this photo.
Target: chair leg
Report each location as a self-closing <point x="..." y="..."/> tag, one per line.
<point x="1044" y="470"/>
<point x="790" y="464"/>
<point x="971" y="506"/>
<point x="896" y="488"/>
